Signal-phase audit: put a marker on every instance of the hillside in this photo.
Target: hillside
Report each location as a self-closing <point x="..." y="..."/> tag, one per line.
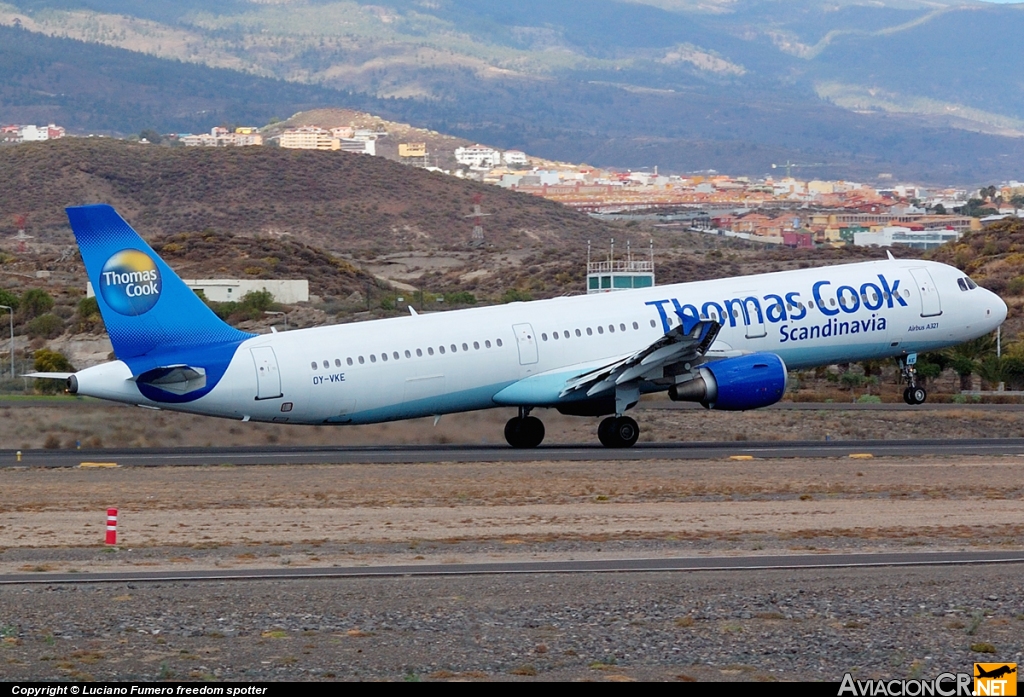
<point x="346" y="204"/>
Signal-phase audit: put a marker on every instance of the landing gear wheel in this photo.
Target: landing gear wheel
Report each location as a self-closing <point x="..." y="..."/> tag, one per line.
<point x="618" y="432"/>
<point x="918" y="395"/>
<point x="906" y="396"/>
<point x="524" y="432"/>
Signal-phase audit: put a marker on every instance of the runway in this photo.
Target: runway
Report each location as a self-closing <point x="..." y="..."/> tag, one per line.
<point x="412" y="454"/>
<point x="679" y="564"/>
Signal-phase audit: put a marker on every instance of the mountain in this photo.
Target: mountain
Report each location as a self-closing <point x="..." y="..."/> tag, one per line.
<point x="922" y="90"/>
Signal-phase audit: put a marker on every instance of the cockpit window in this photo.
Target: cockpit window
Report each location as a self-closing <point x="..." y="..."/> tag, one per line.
<point x="971" y="284"/>
<point x="962" y="283"/>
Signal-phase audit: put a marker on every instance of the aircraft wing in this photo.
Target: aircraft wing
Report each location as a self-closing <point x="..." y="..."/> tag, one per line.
<point x="685" y="343"/>
<point x="48" y="376"/>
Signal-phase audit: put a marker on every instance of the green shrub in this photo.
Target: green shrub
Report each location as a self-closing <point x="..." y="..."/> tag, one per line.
<point x="46" y="326"/>
<point x="35" y="302"/>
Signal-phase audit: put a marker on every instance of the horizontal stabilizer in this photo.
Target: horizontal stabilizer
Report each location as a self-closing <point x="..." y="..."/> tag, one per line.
<point x="48" y="376"/>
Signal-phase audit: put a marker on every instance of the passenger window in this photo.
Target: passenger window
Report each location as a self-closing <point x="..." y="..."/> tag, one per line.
<point x="373" y="358"/>
<point x="611" y="328"/>
<point x="349" y="360"/>
<point x="487" y="343"/>
<point x="544" y="336"/>
<point x="554" y="335"/>
<point x="419" y="353"/>
<point x="622" y="327"/>
<point x="361" y="360"/>
<point x="430" y="350"/>
<point x="441" y="349"/>
<point x="635" y="325"/>
<point x="566" y="333"/>
<point x="327" y="364"/>
<point x="476" y="345"/>
<point x="499" y="342"/>
<point x="408" y="354"/>
<point x="653" y="324"/>
<point x="395" y="355"/>
<point x="600" y="329"/>
<point x="313" y="364"/>
<point x="337" y="362"/>
<point x="465" y="347"/>
<point x="454" y="348"/>
<point x="579" y="333"/>
<point x="590" y="332"/>
<point x="384" y="357"/>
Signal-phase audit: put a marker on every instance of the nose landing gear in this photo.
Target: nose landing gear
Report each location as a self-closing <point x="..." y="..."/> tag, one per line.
<point x="914" y="394"/>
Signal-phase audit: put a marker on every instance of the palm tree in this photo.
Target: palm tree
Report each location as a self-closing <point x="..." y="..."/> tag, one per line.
<point x="966" y="358"/>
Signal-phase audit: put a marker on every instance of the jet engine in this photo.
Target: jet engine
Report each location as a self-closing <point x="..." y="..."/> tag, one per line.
<point x="735" y="384"/>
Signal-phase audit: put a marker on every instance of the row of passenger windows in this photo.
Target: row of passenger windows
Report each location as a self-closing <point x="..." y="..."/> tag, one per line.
<point x="454" y="348"/>
<point x="556" y="335"/>
<point x="590" y="331"/>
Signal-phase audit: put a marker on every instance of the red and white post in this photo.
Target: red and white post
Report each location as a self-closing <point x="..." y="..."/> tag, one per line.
<point x="111" y="526"/>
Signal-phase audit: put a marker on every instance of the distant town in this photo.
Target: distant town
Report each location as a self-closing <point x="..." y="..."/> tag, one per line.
<point x="779" y="209"/>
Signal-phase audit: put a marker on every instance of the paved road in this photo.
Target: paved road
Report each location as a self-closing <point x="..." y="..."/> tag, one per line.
<point x="163" y="457"/>
<point x="756" y="563"/>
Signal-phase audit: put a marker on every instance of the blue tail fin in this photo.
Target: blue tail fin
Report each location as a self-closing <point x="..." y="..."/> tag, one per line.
<point x="151" y="315"/>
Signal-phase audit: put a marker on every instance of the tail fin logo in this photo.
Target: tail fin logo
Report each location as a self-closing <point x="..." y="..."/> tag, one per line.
<point x="130" y="282"/>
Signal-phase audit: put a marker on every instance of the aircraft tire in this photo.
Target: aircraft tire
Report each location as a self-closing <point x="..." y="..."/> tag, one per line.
<point x="906" y="396"/>
<point x="524" y="433"/>
<point x="604" y="432"/>
<point x="621" y="432"/>
<point x="918" y="394"/>
<point x="532" y="431"/>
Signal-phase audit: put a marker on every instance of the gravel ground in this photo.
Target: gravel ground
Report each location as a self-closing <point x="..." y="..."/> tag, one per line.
<point x="739" y="625"/>
<point x="766" y="625"/>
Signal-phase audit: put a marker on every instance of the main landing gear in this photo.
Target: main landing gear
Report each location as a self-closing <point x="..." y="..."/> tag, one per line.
<point x="914" y="394"/>
<point x="524" y="431"/>
<point x="618" y="432"/>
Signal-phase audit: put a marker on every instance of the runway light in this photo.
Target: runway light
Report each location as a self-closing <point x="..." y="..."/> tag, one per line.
<point x="861" y="456"/>
<point x="741" y="457"/>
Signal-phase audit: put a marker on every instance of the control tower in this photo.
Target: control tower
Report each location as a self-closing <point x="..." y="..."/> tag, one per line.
<point x="619" y="274"/>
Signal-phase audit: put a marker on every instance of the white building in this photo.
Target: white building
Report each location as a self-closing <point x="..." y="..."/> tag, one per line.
<point x="515" y="157"/>
<point x="903" y="236"/>
<point x="478" y="156"/>
<point x="29" y="134"/>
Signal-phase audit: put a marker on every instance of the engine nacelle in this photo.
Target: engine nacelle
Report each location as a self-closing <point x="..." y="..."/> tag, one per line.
<point x="735" y="384"/>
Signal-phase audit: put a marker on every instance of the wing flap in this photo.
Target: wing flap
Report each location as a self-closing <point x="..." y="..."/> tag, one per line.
<point x="687" y="342"/>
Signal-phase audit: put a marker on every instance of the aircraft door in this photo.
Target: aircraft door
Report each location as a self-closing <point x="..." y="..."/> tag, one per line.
<point x="756" y="328"/>
<point x="268" y="377"/>
<point x="527" y="342"/>
<point x="931" y="306"/>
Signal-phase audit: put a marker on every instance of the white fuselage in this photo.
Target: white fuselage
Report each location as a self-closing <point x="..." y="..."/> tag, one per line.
<point x="461" y="360"/>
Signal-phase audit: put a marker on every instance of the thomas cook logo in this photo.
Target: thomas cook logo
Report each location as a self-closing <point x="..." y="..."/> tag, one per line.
<point x="130" y="282"/>
<point x="995" y="678"/>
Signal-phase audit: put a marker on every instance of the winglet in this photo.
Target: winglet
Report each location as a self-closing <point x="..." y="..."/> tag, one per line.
<point x="891" y="257"/>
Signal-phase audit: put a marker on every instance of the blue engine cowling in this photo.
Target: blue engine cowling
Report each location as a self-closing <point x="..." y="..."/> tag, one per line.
<point x="736" y="384"/>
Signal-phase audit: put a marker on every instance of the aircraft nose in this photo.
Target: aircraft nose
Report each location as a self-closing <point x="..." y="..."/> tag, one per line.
<point x="995" y="308"/>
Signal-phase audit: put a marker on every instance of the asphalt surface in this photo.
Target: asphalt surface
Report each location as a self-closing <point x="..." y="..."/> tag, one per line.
<point x="755" y="563"/>
<point x="286" y="455"/>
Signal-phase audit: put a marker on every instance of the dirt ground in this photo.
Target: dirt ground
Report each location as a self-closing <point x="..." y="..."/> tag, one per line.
<point x="94" y="424"/>
<point x="207" y="517"/>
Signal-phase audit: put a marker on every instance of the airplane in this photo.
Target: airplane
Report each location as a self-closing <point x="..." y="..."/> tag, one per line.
<point x="725" y="343"/>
